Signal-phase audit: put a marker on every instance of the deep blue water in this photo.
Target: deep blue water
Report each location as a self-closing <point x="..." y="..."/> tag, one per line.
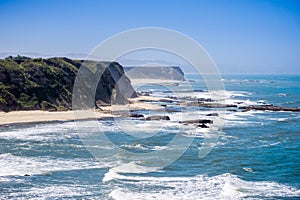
<point x="255" y="156"/>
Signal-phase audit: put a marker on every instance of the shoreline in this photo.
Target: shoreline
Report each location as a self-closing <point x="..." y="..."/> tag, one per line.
<point x="139" y="103"/>
<point x="39" y="116"/>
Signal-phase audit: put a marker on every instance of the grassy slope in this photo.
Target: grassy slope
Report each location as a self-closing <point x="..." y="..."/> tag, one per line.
<point x="47" y="84"/>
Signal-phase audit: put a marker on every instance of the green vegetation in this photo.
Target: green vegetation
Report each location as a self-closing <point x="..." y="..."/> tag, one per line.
<point x="47" y="84"/>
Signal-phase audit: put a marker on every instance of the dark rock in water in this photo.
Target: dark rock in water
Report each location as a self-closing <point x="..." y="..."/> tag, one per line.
<point x="197" y="121"/>
<point x="157" y="100"/>
<point x="4" y="125"/>
<point x="202" y="100"/>
<point x="200" y="123"/>
<point x="202" y="126"/>
<point x="213" y="114"/>
<point x="231" y="110"/>
<point x="218" y="105"/>
<point x="165" y="100"/>
<point x="26" y="175"/>
<point x="209" y="105"/>
<point x="269" y="107"/>
<point x="197" y="90"/>
<point x="157" y="117"/>
<point x="136" y="115"/>
<point x="246" y="110"/>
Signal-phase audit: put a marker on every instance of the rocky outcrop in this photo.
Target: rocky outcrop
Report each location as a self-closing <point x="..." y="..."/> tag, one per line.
<point x="212" y="114"/>
<point x="199" y="123"/>
<point x="269" y="107"/>
<point x="47" y="84"/>
<point x="165" y="73"/>
<point x="208" y="104"/>
<point x="157" y="117"/>
<point x="135" y="115"/>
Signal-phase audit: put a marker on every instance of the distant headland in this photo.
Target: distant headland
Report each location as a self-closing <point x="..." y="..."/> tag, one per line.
<point x="162" y="73"/>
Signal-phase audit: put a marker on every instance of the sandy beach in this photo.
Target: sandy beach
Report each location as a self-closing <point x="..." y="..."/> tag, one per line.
<point x="16" y="117"/>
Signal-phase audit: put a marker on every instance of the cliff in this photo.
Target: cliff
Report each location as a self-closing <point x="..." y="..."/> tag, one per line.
<point x="165" y="73"/>
<point x="47" y="84"/>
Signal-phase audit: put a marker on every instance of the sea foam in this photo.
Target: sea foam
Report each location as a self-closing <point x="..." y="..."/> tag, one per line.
<point x="225" y="186"/>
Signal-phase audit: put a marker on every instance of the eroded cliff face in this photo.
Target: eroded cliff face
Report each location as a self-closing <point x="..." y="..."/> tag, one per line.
<point x="47" y="84"/>
<point x="165" y="73"/>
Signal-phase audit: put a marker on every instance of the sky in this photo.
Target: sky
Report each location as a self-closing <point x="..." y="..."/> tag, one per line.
<point x="241" y="36"/>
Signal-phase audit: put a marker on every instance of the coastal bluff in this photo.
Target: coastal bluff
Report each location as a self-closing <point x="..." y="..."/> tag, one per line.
<point x="47" y="84"/>
<point x="163" y="73"/>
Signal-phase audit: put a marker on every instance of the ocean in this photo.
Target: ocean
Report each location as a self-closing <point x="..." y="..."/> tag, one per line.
<point x="256" y="155"/>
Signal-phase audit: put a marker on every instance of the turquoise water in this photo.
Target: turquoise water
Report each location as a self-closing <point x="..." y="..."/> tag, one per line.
<point x="256" y="156"/>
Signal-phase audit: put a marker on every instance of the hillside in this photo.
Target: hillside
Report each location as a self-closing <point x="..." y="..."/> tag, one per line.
<point x="47" y="84"/>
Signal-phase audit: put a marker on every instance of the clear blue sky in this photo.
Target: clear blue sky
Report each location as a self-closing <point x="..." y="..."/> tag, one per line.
<point x="240" y="35"/>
